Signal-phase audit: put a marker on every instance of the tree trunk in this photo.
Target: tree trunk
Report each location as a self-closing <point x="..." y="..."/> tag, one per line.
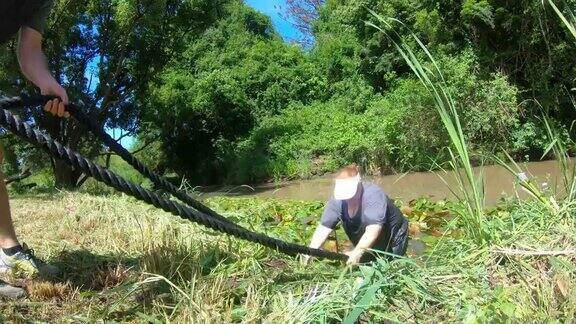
<point x="64" y="175"/>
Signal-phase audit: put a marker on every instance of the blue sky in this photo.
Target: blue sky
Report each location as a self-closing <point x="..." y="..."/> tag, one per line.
<point x="270" y="8"/>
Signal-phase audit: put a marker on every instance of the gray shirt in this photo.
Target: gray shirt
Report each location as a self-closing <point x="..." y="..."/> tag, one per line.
<point x="17" y="13"/>
<point x="376" y="209"/>
<point x="38" y="20"/>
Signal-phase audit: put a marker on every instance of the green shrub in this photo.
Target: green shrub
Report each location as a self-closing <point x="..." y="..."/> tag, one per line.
<point x="301" y="141"/>
<point x="408" y="134"/>
<point x="395" y="132"/>
<point x="406" y="131"/>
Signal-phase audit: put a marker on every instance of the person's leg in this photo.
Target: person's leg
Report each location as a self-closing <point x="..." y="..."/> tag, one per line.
<point x="401" y="247"/>
<point x="401" y="241"/>
<point x="7" y="235"/>
<point x="11" y="252"/>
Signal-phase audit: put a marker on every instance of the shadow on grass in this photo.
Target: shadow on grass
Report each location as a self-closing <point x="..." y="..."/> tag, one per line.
<point x="110" y="274"/>
<point x="184" y="263"/>
<point x="36" y="196"/>
<point x="89" y="271"/>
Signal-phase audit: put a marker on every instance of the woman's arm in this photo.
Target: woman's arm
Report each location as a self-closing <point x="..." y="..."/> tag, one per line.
<point x="366" y="241"/>
<point x="34" y="67"/>
<point x="320" y="235"/>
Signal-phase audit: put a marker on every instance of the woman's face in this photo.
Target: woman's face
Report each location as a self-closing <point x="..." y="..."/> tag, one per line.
<point x="358" y="194"/>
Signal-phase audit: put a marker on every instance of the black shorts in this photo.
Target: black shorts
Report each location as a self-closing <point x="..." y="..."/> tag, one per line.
<point x="398" y="246"/>
<point x="400" y="241"/>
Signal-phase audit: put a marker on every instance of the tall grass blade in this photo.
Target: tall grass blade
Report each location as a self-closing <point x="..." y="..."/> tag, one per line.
<point x="433" y="80"/>
<point x="364" y="302"/>
<point x="569" y="22"/>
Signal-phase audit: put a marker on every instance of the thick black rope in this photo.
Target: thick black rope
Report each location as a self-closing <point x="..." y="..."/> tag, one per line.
<point x="75" y="160"/>
<point x="117" y="148"/>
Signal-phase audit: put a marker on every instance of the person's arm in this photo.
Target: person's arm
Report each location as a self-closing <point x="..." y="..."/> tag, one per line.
<point x="366" y="241"/>
<point x="328" y="221"/>
<point x="320" y="235"/>
<point x="34" y="67"/>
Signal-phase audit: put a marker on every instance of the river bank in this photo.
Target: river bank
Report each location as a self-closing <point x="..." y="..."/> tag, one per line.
<point x="437" y="185"/>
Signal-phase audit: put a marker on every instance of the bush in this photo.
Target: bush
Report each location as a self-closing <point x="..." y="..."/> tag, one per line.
<point x="408" y="134"/>
<point x="396" y="132"/>
<point x="302" y="141"/>
<point x="406" y="131"/>
<point x="488" y="105"/>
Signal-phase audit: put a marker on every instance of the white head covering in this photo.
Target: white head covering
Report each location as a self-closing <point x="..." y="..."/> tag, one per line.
<point x="346" y="188"/>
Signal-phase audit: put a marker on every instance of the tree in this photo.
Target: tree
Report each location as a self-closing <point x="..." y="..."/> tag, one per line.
<point x="227" y="79"/>
<point x="105" y="52"/>
<point x="302" y="14"/>
<point x="521" y="39"/>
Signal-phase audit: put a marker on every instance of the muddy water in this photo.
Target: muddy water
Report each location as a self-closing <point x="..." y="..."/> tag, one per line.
<point x="499" y="183"/>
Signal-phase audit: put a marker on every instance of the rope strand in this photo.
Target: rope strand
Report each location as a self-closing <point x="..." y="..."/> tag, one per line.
<point x="35" y="137"/>
<point x="117" y="148"/>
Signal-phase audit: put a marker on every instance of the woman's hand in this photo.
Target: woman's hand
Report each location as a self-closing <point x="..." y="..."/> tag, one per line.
<point x="354" y="256"/>
<point x="56" y="106"/>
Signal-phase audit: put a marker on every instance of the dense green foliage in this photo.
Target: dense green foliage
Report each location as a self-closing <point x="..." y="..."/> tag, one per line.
<point x="214" y="92"/>
<point x="239" y="105"/>
<point x="222" y="98"/>
<point x="394" y="132"/>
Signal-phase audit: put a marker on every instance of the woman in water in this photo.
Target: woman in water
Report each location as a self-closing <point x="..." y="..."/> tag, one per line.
<point x="368" y="215"/>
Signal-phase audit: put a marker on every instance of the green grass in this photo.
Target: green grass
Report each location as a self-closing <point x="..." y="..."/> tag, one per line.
<point x="126" y="261"/>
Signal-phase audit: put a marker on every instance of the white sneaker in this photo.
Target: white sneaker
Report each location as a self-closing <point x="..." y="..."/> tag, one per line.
<point x="26" y="264"/>
<point x="11" y="292"/>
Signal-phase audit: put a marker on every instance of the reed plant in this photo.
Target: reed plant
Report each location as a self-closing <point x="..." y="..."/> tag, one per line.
<point x="560" y="199"/>
<point x="558" y="146"/>
<point x="470" y="186"/>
